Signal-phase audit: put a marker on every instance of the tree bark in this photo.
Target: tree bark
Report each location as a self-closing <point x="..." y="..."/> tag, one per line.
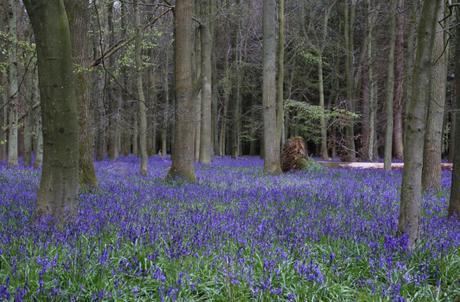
<point x="454" y="202"/>
<point x="197" y="92"/>
<point x="113" y="93"/>
<point x="164" y="131"/>
<point x="411" y="188"/>
<point x="271" y="142"/>
<point x="399" y="82"/>
<point x="78" y="15"/>
<point x="59" y="184"/>
<point x="431" y="176"/>
<point x="280" y="78"/>
<point x="206" y="89"/>
<point x="140" y="92"/>
<point x="227" y="84"/>
<point x="350" y="151"/>
<point x="28" y="121"/>
<point x="13" y="92"/>
<point x="182" y="157"/>
<point x="390" y="87"/>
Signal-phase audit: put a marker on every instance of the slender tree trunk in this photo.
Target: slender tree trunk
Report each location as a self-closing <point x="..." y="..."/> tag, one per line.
<point x="59" y="181"/>
<point x="431" y="176"/>
<point x="236" y="130"/>
<point x="399" y="82"/>
<point x="100" y="131"/>
<point x="280" y="78"/>
<point x="28" y="122"/>
<point x="113" y="93"/>
<point x="206" y="89"/>
<point x="140" y="92"/>
<point x="323" y="125"/>
<point x="390" y="87"/>
<point x="164" y="131"/>
<point x="410" y="55"/>
<point x="152" y="100"/>
<point x="454" y="202"/>
<point x="349" y="32"/>
<point x="373" y="97"/>
<point x="78" y="15"/>
<point x="196" y="70"/>
<point x="13" y="87"/>
<point x="271" y="145"/>
<point x="411" y="189"/>
<point x="182" y="157"/>
<point x="453" y="133"/>
<point x="3" y="125"/>
<point x="226" y="96"/>
<point x="38" y="142"/>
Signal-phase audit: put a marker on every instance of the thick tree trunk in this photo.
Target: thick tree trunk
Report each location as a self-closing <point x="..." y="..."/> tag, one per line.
<point x="390" y="87"/>
<point x="206" y="88"/>
<point x="411" y="189"/>
<point x="182" y="157"/>
<point x="13" y="92"/>
<point x="454" y="202"/>
<point x="140" y="92"/>
<point x="271" y="142"/>
<point x="431" y="176"/>
<point x="78" y="15"/>
<point x="59" y="181"/>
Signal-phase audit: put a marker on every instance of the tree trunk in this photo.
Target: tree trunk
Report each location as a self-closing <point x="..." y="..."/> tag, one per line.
<point x="399" y="82"/>
<point x="182" y="157"/>
<point x="197" y="92"/>
<point x="140" y="92"/>
<point x="280" y="78"/>
<point x="411" y="188"/>
<point x="38" y="142"/>
<point x="206" y="89"/>
<point x="349" y="32"/>
<point x="271" y="143"/>
<point x="13" y="92"/>
<point x="164" y="131"/>
<point x="454" y="202"/>
<point x="431" y="176"/>
<point x="113" y="93"/>
<point x="28" y="121"/>
<point x="59" y="181"/>
<point x="227" y="84"/>
<point x="78" y="15"/>
<point x="390" y="87"/>
<point x="323" y="125"/>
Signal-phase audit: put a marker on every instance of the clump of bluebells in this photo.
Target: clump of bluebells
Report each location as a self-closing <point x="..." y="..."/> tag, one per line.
<point x="235" y="235"/>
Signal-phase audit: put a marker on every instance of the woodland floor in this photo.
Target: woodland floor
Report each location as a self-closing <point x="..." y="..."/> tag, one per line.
<point x="236" y="235"/>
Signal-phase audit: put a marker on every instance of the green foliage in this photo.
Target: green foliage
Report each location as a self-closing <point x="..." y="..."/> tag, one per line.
<point x="309" y="58"/>
<point x="309" y="164"/>
<point x="307" y="118"/>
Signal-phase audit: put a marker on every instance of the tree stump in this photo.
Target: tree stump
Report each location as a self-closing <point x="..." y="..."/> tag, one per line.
<point x="294" y="154"/>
